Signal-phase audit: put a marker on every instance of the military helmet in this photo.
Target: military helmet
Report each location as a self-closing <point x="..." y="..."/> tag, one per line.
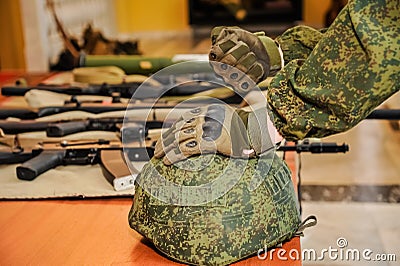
<point x="208" y="226"/>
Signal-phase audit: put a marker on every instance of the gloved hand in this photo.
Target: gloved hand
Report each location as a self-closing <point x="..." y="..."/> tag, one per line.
<point x="215" y="128"/>
<point x="255" y="55"/>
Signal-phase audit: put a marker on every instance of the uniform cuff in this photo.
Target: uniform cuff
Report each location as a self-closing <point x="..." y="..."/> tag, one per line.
<point x="275" y="54"/>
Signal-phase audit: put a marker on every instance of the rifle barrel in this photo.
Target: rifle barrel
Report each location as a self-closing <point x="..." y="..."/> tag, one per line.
<point x="387" y="114"/>
<point x="316" y="147"/>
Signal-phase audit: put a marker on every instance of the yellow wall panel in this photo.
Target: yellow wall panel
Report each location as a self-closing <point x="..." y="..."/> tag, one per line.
<point x="159" y="15"/>
<point x="12" y="40"/>
<point x="151" y="15"/>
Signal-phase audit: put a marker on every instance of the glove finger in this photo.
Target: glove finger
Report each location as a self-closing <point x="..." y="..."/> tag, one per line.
<point x="238" y="80"/>
<point x="182" y="130"/>
<point x="189" y="142"/>
<point x="229" y="50"/>
<point x="174" y="145"/>
<point x="181" y="152"/>
<point x="246" y="62"/>
<point x="173" y="156"/>
<point x="243" y="59"/>
<point x="238" y="51"/>
<point x="188" y="119"/>
<point x="159" y="149"/>
<point x="169" y="131"/>
<point x="186" y="134"/>
<point x="251" y="39"/>
<point x="191" y="123"/>
<point x="216" y="32"/>
<point x="216" y="53"/>
<point x="194" y="113"/>
<point x="255" y="45"/>
<point x="188" y="131"/>
<point x="223" y="43"/>
<point x="165" y="139"/>
<point x="256" y="72"/>
<point x="164" y="144"/>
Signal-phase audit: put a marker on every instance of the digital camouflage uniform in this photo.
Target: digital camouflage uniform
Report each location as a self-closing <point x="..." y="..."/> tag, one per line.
<point x="331" y="81"/>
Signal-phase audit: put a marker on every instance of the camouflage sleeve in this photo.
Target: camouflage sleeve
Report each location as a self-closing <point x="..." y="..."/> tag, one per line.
<point x="298" y="42"/>
<point x="353" y="68"/>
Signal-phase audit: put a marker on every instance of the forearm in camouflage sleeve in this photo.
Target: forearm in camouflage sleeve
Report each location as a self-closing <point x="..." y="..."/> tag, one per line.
<point x="352" y="69"/>
<point x="298" y="42"/>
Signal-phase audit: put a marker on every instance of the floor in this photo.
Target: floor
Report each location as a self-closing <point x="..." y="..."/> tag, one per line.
<point x="355" y="196"/>
<point x="363" y="226"/>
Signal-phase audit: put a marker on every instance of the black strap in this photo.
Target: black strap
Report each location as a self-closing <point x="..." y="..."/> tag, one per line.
<point x="308" y="222"/>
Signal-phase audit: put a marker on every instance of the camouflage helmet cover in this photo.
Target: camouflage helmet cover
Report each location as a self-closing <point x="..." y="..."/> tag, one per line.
<point x="227" y="227"/>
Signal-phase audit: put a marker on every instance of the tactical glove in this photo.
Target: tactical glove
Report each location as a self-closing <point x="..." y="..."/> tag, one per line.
<point x="215" y="128"/>
<point x="255" y="55"/>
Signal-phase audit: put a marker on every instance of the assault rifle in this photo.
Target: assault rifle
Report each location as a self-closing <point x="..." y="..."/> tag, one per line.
<point x="104" y="152"/>
<point x="96" y="108"/>
<point x="141" y="109"/>
<point x="62" y="128"/>
<point x="39" y="156"/>
<point x="109" y="153"/>
<point x="193" y="83"/>
<point x="315" y="147"/>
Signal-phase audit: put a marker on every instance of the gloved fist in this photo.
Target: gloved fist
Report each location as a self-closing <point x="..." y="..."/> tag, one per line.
<point x="214" y="128"/>
<point x="254" y="55"/>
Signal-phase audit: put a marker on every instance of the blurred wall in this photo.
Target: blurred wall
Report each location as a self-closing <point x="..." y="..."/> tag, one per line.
<point x="314" y="12"/>
<point x="12" y="39"/>
<point x="151" y="15"/>
<point x="173" y="15"/>
<point x="130" y="17"/>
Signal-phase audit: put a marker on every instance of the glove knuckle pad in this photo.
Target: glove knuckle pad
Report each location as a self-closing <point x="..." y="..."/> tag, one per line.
<point x="226" y="46"/>
<point x="239" y="50"/>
